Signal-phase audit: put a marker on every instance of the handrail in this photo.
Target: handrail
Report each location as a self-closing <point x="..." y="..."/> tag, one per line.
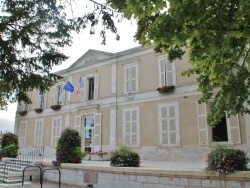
<point x="14" y="165"/>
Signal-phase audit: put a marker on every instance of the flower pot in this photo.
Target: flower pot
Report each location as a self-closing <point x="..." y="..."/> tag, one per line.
<point x="38" y="110"/>
<point x="56" y="107"/>
<point x="23" y="113"/>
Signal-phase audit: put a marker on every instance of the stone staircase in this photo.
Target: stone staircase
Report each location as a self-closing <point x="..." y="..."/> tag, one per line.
<point x="11" y="169"/>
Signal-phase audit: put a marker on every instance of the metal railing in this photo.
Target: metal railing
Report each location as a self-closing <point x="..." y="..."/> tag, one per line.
<point x="17" y="164"/>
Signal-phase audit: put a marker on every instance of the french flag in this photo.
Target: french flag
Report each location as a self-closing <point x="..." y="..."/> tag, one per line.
<point x="79" y="86"/>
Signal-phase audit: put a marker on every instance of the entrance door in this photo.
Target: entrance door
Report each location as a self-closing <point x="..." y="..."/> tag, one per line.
<point x="89" y="133"/>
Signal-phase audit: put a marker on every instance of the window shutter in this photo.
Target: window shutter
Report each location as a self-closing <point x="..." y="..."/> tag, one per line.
<point x="56" y="130"/>
<point x="169" y="124"/>
<point x="173" y="128"/>
<point x="96" y="85"/>
<point x="169" y="73"/>
<point x="37" y="103"/>
<point x="133" y="78"/>
<point x="82" y="90"/>
<point x="202" y="124"/>
<point x="38" y="133"/>
<point x="97" y="132"/>
<point x="69" y="93"/>
<point x="23" y="128"/>
<point x="126" y="129"/>
<point x="54" y="95"/>
<point x="62" y="96"/>
<point x="44" y="99"/>
<point x="134" y="128"/>
<point x="234" y="130"/>
<point x="127" y="80"/>
<point x="164" y="125"/>
<point x="162" y="68"/>
<point x="77" y="123"/>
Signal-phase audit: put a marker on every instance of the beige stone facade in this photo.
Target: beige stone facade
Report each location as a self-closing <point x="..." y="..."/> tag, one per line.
<point x="118" y="103"/>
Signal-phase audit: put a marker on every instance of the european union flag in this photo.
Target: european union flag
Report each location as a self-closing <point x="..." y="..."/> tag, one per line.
<point x="69" y="87"/>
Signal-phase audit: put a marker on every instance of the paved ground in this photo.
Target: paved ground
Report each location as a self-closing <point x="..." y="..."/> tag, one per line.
<point x="170" y="165"/>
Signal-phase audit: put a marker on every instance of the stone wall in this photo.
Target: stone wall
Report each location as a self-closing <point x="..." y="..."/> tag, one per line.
<point x="114" y="177"/>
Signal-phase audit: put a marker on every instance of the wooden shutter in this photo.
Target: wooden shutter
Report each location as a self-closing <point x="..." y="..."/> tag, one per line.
<point x="77" y="123"/>
<point x="62" y="98"/>
<point x="54" y="95"/>
<point x="44" y="99"/>
<point x="23" y="128"/>
<point x="126" y="127"/>
<point x="133" y="78"/>
<point x="38" y="133"/>
<point x="169" y="124"/>
<point x="38" y="99"/>
<point x="56" y="130"/>
<point x="169" y="73"/>
<point x="202" y="124"/>
<point x="164" y="140"/>
<point x="162" y="72"/>
<point x="96" y="85"/>
<point x="69" y="93"/>
<point x="174" y="138"/>
<point x="134" y="128"/>
<point x="97" y="131"/>
<point x="82" y="90"/>
<point x="234" y="129"/>
<point x="127" y="80"/>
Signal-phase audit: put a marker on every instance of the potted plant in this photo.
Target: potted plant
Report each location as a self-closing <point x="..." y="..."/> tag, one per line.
<point x="23" y="113"/>
<point x="38" y="110"/>
<point x="166" y="89"/>
<point x="56" y="107"/>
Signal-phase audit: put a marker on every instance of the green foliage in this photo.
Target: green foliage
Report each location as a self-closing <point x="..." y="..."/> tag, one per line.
<point x="68" y="147"/>
<point x="216" y="36"/>
<point x="9" y="138"/>
<point x="226" y="161"/>
<point x="10" y="151"/>
<point x="124" y="156"/>
<point x="31" y="36"/>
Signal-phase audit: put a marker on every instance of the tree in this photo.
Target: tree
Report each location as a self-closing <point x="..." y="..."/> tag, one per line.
<point x="216" y="36"/>
<point x="31" y="35"/>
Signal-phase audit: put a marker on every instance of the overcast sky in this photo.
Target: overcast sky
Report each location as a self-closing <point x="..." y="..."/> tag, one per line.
<point x="81" y="44"/>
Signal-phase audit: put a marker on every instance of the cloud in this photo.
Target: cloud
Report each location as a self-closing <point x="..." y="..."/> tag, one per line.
<point x="6" y="125"/>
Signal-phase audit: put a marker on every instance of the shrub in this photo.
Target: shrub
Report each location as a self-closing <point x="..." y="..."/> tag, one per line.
<point x="9" y="138"/>
<point x="10" y="151"/>
<point x="226" y="161"/>
<point x="68" y="147"/>
<point x="123" y="156"/>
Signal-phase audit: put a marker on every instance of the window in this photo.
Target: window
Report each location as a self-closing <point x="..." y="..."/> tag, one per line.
<point x="166" y="72"/>
<point x="131" y="78"/>
<point x="23" y="106"/>
<point x="38" y="132"/>
<point x="90" y="86"/>
<point x="169" y="124"/>
<point x="58" y="95"/>
<point x="56" y="129"/>
<point x="226" y="130"/>
<point x="22" y="136"/>
<point x="131" y="126"/>
<point x="40" y="99"/>
<point x="92" y="133"/>
<point x="89" y="132"/>
<point x="219" y="132"/>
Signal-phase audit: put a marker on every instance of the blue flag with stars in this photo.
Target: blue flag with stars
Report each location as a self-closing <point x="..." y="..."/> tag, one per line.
<point x="69" y="87"/>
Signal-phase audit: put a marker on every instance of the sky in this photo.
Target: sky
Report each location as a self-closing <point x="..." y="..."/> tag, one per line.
<point x="81" y="43"/>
